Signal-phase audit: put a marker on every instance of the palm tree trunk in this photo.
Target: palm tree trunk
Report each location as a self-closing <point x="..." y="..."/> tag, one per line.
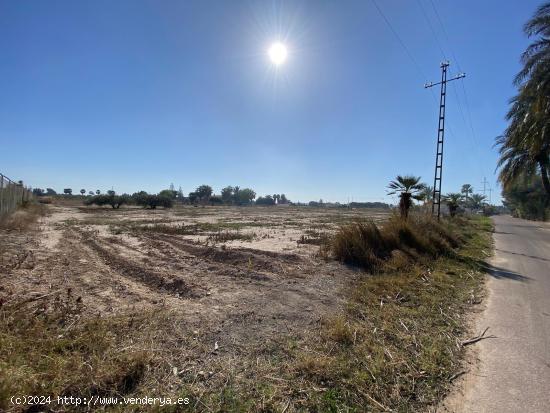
<point x="545" y="179"/>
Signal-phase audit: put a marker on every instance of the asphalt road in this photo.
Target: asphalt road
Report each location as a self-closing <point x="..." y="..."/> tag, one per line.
<point x="513" y="370"/>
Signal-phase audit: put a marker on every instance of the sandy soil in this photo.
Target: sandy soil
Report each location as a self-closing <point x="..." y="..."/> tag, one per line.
<point x="242" y="290"/>
<point x="242" y="297"/>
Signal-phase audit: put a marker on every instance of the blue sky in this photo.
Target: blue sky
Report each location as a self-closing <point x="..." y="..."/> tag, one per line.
<point x="140" y="94"/>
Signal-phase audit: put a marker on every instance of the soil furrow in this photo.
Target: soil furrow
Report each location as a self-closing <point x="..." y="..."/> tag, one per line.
<point x="148" y="277"/>
<point x="236" y="257"/>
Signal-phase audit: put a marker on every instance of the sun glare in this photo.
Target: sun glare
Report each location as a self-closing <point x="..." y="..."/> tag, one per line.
<point x="277" y="53"/>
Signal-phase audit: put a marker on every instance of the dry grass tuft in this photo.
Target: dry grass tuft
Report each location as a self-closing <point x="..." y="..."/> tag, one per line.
<point x="338" y="330"/>
<point x="224" y="236"/>
<point x="23" y="218"/>
<point x="45" y="200"/>
<point x="394" y="243"/>
<point x="360" y="244"/>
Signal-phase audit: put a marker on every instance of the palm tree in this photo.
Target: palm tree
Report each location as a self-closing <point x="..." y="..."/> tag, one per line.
<point x="427" y="194"/>
<point x="477" y="201"/>
<point x="537" y="55"/>
<point x="466" y="190"/>
<point x="408" y="187"/>
<point x="453" y="202"/>
<point x="525" y="144"/>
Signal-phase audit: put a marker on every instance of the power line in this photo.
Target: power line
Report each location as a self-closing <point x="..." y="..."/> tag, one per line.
<point x="401" y="42"/>
<point x="432" y="29"/>
<point x="439" y="44"/>
<point x="469" y="113"/>
<point x="419" y="68"/>
<point x="438" y="17"/>
<point x="460" y="106"/>
<point x="468" y="123"/>
<point x="404" y="46"/>
<point x="445" y="33"/>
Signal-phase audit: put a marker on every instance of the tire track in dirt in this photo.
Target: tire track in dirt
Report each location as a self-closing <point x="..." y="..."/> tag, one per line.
<point x="152" y="279"/>
<point x="67" y="268"/>
<point x="287" y="301"/>
<point x="77" y="266"/>
<point x="237" y="258"/>
<point x="173" y="248"/>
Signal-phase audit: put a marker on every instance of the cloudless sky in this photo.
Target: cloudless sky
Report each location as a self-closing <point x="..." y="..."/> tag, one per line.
<point x="139" y="94"/>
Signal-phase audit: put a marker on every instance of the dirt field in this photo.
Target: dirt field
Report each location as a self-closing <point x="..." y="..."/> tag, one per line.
<point x="231" y="284"/>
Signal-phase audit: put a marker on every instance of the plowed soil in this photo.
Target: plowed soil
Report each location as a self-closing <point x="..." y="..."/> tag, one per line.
<point x="233" y="301"/>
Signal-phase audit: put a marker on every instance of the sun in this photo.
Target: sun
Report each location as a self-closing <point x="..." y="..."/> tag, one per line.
<point x="277" y="53"/>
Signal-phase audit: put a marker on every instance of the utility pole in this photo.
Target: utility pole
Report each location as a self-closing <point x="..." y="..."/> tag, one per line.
<point x="436" y="199"/>
<point x="490" y="193"/>
<point x="484" y="182"/>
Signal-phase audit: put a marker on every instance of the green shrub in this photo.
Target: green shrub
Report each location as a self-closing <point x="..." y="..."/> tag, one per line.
<point x="115" y="201"/>
<point x="152" y="201"/>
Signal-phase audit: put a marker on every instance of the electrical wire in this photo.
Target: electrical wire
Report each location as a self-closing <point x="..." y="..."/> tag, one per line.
<point x="468" y="118"/>
<point x="466" y="101"/>
<point x="419" y="68"/>
<point x="401" y="42"/>
<point x="419" y="2"/>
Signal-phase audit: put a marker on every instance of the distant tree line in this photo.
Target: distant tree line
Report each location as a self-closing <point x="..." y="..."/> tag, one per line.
<point x="274" y="199"/>
<point x="380" y="205"/>
<point x="230" y="195"/>
<point x="202" y="195"/>
<point x="409" y="188"/>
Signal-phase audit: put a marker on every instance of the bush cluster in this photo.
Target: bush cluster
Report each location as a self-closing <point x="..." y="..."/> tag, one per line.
<point x="397" y="240"/>
<point x="115" y="201"/>
<point x="139" y="198"/>
<point x="152" y="201"/>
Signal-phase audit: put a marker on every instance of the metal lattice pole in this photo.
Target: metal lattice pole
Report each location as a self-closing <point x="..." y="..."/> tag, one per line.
<point x="438" y="175"/>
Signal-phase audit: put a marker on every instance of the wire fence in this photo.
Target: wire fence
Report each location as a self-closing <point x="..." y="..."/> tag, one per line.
<point x="12" y="194"/>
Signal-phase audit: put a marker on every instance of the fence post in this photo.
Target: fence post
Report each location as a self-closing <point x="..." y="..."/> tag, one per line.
<point x="12" y="194"/>
<point x="8" y="197"/>
<point x="13" y="204"/>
